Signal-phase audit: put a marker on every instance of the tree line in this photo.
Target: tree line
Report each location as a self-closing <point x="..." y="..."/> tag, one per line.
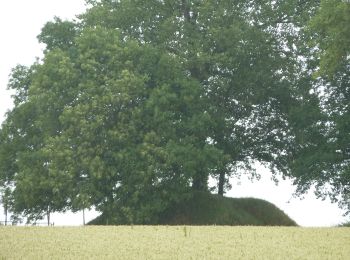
<point x="136" y="104"/>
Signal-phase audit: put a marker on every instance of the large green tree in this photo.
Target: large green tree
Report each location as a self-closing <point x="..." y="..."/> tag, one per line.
<point x="140" y="102"/>
<point x="244" y="54"/>
<point x="105" y="123"/>
<point x="132" y="129"/>
<point x="329" y="33"/>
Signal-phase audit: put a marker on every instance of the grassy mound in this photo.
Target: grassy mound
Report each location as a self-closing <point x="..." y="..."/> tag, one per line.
<point x="209" y="209"/>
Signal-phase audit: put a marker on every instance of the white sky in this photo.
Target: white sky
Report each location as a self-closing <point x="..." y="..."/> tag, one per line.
<point x="20" y="23"/>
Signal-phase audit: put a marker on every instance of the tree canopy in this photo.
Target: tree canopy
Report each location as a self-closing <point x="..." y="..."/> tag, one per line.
<point x="138" y="103"/>
<point x="329" y="31"/>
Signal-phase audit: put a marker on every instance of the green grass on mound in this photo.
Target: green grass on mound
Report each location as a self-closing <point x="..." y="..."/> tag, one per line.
<point x="209" y="209"/>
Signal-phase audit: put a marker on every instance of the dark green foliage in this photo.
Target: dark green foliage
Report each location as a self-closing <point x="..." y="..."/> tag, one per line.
<point x="58" y="34"/>
<point x="331" y="30"/>
<point x="329" y="35"/>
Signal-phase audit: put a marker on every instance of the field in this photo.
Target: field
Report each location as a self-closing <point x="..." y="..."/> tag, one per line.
<point x="174" y="242"/>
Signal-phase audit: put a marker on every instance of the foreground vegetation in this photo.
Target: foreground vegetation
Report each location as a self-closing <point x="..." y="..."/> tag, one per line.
<point x="209" y="209"/>
<point x="174" y="242"/>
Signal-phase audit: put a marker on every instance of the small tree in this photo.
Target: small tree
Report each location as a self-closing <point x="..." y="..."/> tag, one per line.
<point x="5" y="200"/>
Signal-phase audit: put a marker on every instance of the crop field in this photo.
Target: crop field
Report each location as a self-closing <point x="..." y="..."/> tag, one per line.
<point x="174" y="242"/>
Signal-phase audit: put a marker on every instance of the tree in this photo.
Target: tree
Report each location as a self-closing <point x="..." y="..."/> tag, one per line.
<point x="27" y="127"/>
<point x="139" y="103"/>
<point x="5" y="200"/>
<point x="6" y="172"/>
<point x="128" y="133"/>
<point x="329" y="30"/>
<point x="245" y="58"/>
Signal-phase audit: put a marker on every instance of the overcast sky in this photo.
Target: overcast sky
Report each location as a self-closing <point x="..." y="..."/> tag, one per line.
<point x="20" y="23"/>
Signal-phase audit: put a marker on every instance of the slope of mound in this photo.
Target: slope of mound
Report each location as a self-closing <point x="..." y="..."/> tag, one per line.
<point x="209" y="209"/>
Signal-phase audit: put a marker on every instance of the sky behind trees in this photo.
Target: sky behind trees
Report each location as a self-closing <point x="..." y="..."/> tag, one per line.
<point x="21" y="23"/>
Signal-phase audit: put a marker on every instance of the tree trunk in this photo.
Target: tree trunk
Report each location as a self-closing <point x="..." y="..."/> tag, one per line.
<point x="83" y="217"/>
<point x="5" y="211"/>
<point x="48" y="216"/>
<point x="200" y="182"/>
<point x="221" y="183"/>
<point x="5" y="200"/>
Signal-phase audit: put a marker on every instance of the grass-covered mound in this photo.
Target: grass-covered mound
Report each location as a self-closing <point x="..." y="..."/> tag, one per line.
<point x="209" y="209"/>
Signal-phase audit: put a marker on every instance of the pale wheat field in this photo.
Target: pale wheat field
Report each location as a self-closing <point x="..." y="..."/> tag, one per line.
<point x="174" y="242"/>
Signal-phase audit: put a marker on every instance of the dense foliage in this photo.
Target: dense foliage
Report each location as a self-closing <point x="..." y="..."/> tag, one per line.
<point x="330" y="37"/>
<point x="139" y="103"/>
